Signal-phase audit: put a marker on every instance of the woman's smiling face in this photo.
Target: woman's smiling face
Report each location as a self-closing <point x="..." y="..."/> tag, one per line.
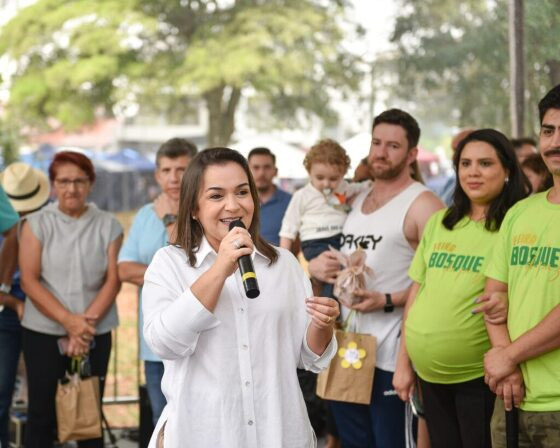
<point x="224" y="196"/>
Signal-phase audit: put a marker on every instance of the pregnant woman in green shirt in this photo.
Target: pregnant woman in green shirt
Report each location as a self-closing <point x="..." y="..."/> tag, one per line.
<point x="443" y="340"/>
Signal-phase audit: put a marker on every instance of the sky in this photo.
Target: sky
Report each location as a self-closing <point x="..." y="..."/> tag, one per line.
<point x="377" y="17"/>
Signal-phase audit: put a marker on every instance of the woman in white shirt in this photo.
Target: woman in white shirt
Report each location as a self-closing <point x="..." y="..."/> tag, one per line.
<point x="230" y="362"/>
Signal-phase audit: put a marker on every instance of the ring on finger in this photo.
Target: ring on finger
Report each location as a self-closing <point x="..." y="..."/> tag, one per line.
<point x="236" y="244"/>
<point x="329" y="319"/>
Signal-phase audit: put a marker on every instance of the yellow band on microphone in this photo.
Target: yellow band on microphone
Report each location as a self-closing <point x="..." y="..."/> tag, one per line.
<point x="248" y="275"/>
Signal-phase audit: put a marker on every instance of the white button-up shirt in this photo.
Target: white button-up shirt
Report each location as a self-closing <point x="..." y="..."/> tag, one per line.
<point x="230" y="375"/>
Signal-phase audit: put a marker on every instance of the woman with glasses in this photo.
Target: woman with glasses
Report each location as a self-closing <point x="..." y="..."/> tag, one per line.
<point x="68" y="263"/>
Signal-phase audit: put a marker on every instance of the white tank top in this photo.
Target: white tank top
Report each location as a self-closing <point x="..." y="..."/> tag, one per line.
<point x="389" y="255"/>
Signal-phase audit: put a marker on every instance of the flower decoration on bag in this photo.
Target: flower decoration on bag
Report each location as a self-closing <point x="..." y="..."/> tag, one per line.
<point x="351" y="355"/>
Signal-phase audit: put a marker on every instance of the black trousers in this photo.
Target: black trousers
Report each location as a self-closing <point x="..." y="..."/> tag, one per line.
<point x="45" y="366"/>
<point x="458" y="415"/>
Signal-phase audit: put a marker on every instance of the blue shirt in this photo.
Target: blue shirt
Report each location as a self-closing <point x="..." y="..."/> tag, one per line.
<point x="9" y="320"/>
<point x="8" y="219"/>
<point x="272" y="213"/>
<point x="147" y="234"/>
<point x="448" y="191"/>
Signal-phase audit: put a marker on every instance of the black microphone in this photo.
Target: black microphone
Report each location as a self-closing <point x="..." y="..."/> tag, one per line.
<point x="246" y="268"/>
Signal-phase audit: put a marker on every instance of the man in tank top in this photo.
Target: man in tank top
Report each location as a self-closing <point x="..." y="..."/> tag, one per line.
<point x="387" y="222"/>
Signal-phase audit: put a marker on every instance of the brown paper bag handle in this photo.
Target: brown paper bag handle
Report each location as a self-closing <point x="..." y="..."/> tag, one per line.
<point x="346" y="323"/>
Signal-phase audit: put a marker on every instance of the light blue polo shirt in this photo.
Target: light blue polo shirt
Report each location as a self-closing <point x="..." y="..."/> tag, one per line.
<point x="147" y="234"/>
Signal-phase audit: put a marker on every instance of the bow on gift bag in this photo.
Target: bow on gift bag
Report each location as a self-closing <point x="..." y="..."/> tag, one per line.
<point x="78" y="410"/>
<point x="351" y="277"/>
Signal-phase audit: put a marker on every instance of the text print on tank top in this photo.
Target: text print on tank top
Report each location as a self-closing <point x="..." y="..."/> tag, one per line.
<point x="389" y="254"/>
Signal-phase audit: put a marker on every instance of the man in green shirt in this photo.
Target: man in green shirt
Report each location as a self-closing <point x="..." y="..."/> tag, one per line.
<point x="526" y="264"/>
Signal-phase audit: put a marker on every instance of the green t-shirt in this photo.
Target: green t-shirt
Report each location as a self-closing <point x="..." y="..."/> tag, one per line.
<point x="445" y="341"/>
<point x="527" y="258"/>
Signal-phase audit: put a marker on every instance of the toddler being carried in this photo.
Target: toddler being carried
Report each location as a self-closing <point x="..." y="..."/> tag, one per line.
<point x="317" y="211"/>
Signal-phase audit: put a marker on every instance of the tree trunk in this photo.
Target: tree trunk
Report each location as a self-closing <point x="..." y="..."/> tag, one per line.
<point x="554" y="67"/>
<point x="221" y="103"/>
<point x="516" y="66"/>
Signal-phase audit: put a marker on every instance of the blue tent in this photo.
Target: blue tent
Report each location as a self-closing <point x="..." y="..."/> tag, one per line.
<point x="40" y="158"/>
<point x="130" y="158"/>
<point x="124" y="178"/>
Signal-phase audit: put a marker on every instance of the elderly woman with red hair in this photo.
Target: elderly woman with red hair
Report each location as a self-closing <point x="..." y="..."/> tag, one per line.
<point x="68" y="263"/>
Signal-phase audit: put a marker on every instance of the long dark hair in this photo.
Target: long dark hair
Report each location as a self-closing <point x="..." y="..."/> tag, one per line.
<point x="517" y="187"/>
<point x="189" y="230"/>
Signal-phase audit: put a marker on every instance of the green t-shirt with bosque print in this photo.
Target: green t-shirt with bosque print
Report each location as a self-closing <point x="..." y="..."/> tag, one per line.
<point x="527" y="258"/>
<point x="445" y="341"/>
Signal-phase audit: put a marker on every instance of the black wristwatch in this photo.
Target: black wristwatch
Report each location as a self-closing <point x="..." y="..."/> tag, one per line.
<point x="389" y="307"/>
<point x="169" y="219"/>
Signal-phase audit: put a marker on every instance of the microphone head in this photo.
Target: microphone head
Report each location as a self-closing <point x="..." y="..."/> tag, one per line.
<point x="236" y="223"/>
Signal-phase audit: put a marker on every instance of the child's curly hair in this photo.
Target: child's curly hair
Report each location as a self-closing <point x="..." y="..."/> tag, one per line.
<point x="327" y="151"/>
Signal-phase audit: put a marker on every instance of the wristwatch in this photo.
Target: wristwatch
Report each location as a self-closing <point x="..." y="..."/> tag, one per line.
<point x="4" y="290"/>
<point x="389" y="307"/>
<point x="169" y="219"/>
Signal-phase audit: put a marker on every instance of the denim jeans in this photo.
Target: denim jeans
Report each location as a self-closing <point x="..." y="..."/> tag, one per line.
<point x="10" y="348"/>
<point x="313" y="248"/>
<point x="154" y="373"/>
<point x="378" y="425"/>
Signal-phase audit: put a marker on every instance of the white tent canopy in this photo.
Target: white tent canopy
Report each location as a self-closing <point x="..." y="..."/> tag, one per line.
<point x="289" y="159"/>
<point x="357" y="148"/>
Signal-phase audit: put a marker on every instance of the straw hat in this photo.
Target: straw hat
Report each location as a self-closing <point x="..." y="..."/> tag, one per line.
<point x="27" y="188"/>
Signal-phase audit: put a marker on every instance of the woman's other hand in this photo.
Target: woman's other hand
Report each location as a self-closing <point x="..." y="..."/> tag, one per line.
<point x="323" y="311"/>
<point x="79" y="326"/>
<point x="494" y="306"/>
<point x="404" y="380"/>
<point x="77" y="346"/>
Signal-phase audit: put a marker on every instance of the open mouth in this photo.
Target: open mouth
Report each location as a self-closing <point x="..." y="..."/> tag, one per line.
<point x="226" y="221"/>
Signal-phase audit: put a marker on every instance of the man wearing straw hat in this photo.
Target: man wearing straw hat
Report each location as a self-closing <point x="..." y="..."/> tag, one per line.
<point x="26" y="189"/>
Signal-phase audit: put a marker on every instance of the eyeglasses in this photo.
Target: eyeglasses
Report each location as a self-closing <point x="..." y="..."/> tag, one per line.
<point x="80" y="182"/>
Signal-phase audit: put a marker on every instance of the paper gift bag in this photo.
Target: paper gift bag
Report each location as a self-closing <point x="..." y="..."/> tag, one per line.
<point x="349" y="376"/>
<point x="78" y="411"/>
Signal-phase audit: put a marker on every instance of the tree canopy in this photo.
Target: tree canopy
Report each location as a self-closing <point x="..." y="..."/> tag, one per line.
<point x="452" y="59"/>
<point x="76" y="59"/>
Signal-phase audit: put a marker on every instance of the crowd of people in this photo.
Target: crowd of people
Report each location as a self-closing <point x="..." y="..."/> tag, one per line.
<point x="463" y="302"/>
